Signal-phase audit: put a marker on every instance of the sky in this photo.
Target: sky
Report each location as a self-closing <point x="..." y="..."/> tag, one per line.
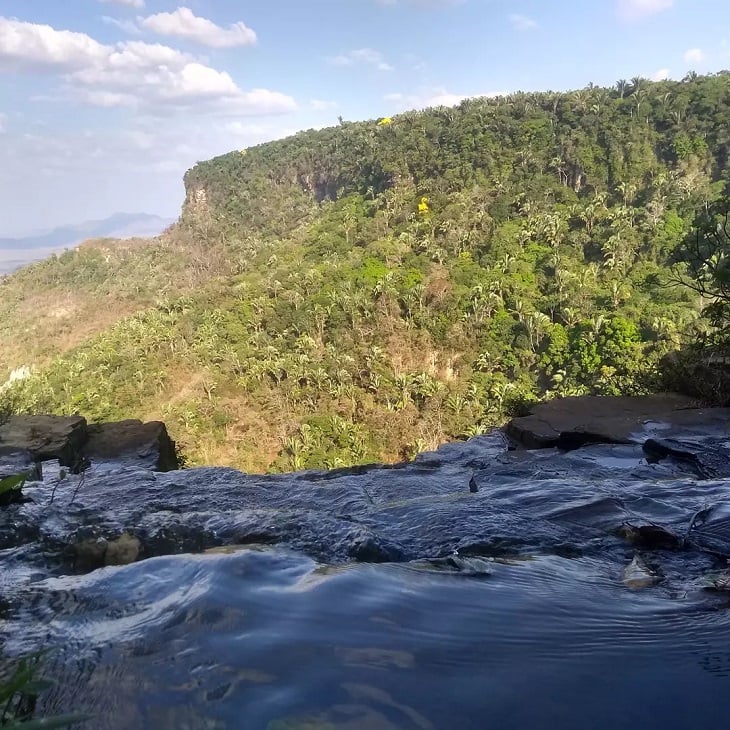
<point x="104" y="104"/>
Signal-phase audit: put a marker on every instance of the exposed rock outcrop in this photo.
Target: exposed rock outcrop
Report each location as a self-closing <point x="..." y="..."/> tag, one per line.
<point x="572" y="422"/>
<point x="94" y="553"/>
<point x="27" y="441"/>
<point x="145" y="444"/>
<point x="46" y="437"/>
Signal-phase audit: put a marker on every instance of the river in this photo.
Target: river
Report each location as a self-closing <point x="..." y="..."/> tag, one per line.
<point x="476" y="587"/>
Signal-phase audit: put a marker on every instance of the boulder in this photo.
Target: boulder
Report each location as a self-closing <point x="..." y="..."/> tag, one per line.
<point x="29" y="440"/>
<point x="638" y="575"/>
<point x="143" y="444"/>
<point x="94" y="553"/>
<point x="122" y="551"/>
<point x="572" y="422"/>
<point x="46" y="438"/>
<point x="90" y="553"/>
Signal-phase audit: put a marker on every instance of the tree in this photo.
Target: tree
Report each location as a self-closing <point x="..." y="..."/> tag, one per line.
<point x="702" y="262"/>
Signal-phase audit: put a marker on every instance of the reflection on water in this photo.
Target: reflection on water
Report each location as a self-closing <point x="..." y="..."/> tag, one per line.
<point x="269" y="639"/>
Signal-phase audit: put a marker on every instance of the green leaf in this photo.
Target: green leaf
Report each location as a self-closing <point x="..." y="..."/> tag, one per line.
<point x="8" y="484"/>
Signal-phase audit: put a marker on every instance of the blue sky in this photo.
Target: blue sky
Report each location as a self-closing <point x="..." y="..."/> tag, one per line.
<point x="105" y="103"/>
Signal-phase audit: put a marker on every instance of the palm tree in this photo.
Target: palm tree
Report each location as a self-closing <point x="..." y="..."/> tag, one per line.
<point x="537" y="325"/>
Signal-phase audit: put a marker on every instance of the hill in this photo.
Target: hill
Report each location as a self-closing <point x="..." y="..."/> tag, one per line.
<point x="17" y="252"/>
<point x="364" y="292"/>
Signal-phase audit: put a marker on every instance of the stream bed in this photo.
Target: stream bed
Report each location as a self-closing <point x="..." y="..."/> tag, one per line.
<point x="476" y="587"/>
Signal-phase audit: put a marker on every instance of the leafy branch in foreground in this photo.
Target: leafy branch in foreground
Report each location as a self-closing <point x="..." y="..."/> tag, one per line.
<point x="10" y="488"/>
<point x="20" y="687"/>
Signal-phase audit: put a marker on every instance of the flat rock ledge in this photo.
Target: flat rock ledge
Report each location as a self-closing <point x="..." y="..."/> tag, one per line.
<point x="569" y="423"/>
<point x="26" y="441"/>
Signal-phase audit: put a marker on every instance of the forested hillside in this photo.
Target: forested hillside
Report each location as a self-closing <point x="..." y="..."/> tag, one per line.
<point x="364" y="292"/>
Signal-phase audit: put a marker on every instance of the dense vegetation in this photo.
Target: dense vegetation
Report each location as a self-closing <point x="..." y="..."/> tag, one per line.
<point x="364" y="292"/>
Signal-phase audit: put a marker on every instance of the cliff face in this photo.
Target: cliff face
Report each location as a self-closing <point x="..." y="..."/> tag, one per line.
<point x="590" y="140"/>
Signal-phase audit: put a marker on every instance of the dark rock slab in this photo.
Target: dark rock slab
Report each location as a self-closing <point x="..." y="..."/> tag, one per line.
<point x="46" y="437"/>
<point x="709" y="460"/>
<point x="144" y="444"/>
<point x="569" y="423"/>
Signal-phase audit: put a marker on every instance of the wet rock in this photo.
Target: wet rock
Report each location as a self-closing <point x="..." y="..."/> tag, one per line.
<point x="13" y="461"/>
<point x="709" y="529"/>
<point x="473" y="486"/>
<point x="74" y="443"/>
<point x="720" y="583"/>
<point x="709" y="461"/>
<point x="638" y="575"/>
<point x="650" y="537"/>
<point x="370" y="549"/>
<point x="569" y="423"/>
<point x="476" y="453"/>
<point x="256" y="537"/>
<point x="144" y="444"/>
<point x="90" y="553"/>
<point x="46" y="438"/>
<point x="472" y="567"/>
<point x="122" y="551"/>
<point x="176" y="539"/>
<point x="96" y="552"/>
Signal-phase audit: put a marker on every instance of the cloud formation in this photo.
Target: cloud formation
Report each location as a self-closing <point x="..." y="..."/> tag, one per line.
<point x="362" y="56"/>
<point x="183" y="23"/>
<point x="523" y="23"/>
<point x="321" y="105"/>
<point x="694" y="55"/>
<point x="131" y="73"/>
<point x="632" y="10"/>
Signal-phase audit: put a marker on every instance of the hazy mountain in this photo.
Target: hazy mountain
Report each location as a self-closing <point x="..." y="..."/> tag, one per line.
<point x="16" y="252"/>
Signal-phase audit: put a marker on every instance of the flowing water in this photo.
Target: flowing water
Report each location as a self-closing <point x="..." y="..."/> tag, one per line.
<point x="474" y="588"/>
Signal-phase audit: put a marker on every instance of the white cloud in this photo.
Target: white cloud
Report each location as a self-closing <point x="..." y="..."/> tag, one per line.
<point x="183" y="23"/>
<point x="638" y="9"/>
<point x="239" y="129"/>
<point x="320" y="105"/>
<point x="132" y="73"/>
<point x="661" y="75"/>
<point x="128" y="3"/>
<point x="31" y="46"/>
<point x="3" y="123"/>
<point x="366" y="56"/>
<point x="694" y="55"/>
<point x="128" y="26"/>
<point x="433" y="97"/>
<point x="522" y="23"/>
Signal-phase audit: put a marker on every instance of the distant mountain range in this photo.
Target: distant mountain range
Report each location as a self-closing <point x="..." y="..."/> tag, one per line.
<point x="16" y="252"/>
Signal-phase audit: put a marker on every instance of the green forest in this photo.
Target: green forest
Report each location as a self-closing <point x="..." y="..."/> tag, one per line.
<point x="369" y="291"/>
